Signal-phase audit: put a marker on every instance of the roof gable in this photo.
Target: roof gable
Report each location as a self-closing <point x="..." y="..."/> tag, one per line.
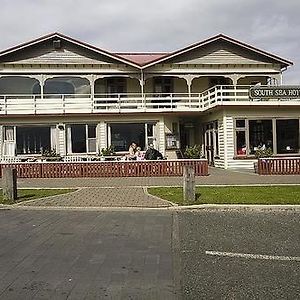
<point x="220" y="49"/>
<point x="42" y="50"/>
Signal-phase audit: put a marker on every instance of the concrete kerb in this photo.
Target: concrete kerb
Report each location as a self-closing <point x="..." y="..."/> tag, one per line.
<point x="170" y="208"/>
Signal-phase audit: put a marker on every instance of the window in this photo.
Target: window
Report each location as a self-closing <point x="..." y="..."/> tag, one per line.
<point x="163" y="85"/>
<point x="251" y="135"/>
<point x="33" y="140"/>
<point x="82" y="138"/>
<point x="115" y="86"/>
<point x="260" y="135"/>
<point x="240" y="137"/>
<point x="287" y="135"/>
<point x="122" y="135"/>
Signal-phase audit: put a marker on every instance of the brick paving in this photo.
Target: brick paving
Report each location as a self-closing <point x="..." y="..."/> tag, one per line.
<point x="101" y="197"/>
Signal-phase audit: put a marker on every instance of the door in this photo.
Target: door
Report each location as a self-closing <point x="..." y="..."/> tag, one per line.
<point x="211" y="142"/>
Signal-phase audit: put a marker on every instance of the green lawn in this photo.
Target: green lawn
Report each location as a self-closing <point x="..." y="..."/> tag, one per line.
<point x="30" y="194"/>
<point x="233" y="195"/>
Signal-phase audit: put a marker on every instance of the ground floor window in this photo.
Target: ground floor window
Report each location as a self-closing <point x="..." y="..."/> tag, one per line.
<point x="123" y="134"/>
<point x="260" y="135"/>
<point x="33" y="139"/>
<point x="81" y="138"/>
<point x="279" y="135"/>
<point x="287" y="136"/>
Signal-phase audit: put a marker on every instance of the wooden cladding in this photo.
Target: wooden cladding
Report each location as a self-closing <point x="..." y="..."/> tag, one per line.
<point x="279" y="166"/>
<point x="107" y="169"/>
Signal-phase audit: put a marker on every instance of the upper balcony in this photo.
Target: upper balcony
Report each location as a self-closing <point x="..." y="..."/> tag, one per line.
<point x="219" y="95"/>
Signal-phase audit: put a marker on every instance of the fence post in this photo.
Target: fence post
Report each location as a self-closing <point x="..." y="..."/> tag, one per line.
<point x="9" y="184"/>
<point x="189" y="192"/>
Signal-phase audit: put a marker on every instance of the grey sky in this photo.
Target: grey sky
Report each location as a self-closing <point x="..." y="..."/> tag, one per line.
<point x="158" y="25"/>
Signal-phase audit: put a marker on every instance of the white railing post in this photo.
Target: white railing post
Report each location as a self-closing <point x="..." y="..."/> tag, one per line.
<point x="119" y="102"/>
<point x="92" y="103"/>
<point x="63" y="103"/>
<point x="144" y="101"/>
<point x="34" y="104"/>
<point x="235" y="93"/>
<point x="171" y="97"/>
<point x="5" y="104"/>
<point x="221" y="93"/>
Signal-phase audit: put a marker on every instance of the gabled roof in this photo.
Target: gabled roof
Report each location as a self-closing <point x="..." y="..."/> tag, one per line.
<point x="73" y="41"/>
<point x="145" y="60"/>
<point x="219" y="37"/>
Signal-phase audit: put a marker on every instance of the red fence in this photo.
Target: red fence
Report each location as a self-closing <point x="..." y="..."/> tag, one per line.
<point x="279" y="166"/>
<point x="107" y="169"/>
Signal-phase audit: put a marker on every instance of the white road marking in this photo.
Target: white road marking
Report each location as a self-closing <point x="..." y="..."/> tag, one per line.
<point x="253" y="256"/>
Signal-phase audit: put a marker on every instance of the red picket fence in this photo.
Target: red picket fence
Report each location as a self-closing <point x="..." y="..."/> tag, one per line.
<point x="279" y="166"/>
<point x="157" y="168"/>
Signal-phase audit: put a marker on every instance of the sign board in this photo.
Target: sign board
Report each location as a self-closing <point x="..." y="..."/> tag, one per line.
<point x="276" y="92"/>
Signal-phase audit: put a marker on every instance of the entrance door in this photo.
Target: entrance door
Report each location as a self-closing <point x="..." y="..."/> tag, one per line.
<point x="211" y="142"/>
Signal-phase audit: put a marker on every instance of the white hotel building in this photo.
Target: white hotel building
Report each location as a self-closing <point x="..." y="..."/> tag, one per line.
<point x="62" y="94"/>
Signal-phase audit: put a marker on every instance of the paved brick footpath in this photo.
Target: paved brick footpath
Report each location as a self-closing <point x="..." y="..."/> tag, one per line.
<point x="216" y="177"/>
<point x="101" y="197"/>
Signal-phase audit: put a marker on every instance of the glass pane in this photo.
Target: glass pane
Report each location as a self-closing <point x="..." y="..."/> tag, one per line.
<point x="260" y="135"/>
<point x="91" y="131"/>
<point x="9" y="133"/>
<point x="241" y="143"/>
<point x="91" y="145"/>
<point x="122" y="135"/>
<point x="287" y="133"/>
<point x="33" y="140"/>
<point x="240" y="123"/>
<point x="78" y="135"/>
<point x="149" y="130"/>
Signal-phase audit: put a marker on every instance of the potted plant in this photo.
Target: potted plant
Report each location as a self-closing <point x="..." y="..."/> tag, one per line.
<point x="193" y="152"/>
<point x="51" y="155"/>
<point x="109" y="151"/>
<point x="262" y="152"/>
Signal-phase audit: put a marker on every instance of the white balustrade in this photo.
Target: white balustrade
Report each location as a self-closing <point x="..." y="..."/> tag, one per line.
<point x="117" y="103"/>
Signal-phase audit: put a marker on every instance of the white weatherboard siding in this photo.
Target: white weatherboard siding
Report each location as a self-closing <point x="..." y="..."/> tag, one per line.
<point x="102" y="135"/>
<point x="61" y="144"/>
<point x="161" y="136"/>
<point x="1" y="140"/>
<point x="219" y="163"/>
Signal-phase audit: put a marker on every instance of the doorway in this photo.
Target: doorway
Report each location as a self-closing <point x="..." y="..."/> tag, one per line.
<point x="211" y="143"/>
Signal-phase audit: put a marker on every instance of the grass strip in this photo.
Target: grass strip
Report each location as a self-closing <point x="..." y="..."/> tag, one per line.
<point x="30" y="194"/>
<point x="232" y="195"/>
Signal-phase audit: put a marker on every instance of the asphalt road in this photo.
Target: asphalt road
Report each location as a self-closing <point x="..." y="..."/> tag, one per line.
<point x="233" y="276"/>
<point x="149" y="254"/>
<point x="48" y="254"/>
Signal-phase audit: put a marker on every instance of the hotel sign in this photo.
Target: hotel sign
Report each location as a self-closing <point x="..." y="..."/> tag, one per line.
<point x="282" y="92"/>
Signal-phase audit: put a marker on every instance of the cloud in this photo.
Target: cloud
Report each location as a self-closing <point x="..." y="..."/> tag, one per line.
<point x="157" y="25"/>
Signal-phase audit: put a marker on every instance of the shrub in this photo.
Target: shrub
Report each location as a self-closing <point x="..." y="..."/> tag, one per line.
<point x="263" y="153"/>
<point x="193" y="152"/>
<point x="108" y="151"/>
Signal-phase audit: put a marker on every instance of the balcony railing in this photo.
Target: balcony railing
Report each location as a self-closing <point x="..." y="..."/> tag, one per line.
<point x="135" y="102"/>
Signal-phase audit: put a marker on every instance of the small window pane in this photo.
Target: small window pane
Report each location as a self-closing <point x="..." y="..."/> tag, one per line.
<point x="240" y="123"/>
<point x="91" y="145"/>
<point x="241" y="143"/>
<point x="91" y="131"/>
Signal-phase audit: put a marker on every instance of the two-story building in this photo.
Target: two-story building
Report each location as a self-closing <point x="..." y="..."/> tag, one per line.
<point x="62" y="94"/>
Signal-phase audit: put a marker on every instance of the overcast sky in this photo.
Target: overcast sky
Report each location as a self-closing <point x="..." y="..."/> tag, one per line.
<point x="158" y="25"/>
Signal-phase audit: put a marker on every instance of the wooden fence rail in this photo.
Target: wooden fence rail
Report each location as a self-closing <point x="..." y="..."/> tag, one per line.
<point x="157" y="168"/>
<point x="279" y="166"/>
